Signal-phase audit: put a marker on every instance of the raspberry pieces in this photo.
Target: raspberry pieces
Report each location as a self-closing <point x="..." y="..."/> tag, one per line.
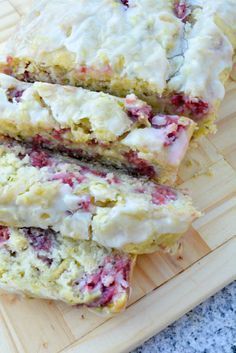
<point x="4" y="234"/>
<point x="58" y="134"/>
<point x="65" y="178"/>
<point x="181" y="10"/>
<point x="163" y="194"/>
<point x="69" y="178"/>
<point x="136" y="110"/>
<point x="110" y="279"/>
<point x="125" y="2"/>
<point x="171" y="125"/>
<point x="39" y="159"/>
<point x="139" y="164"/>
<point x="195" y="107"/>
<point x="40" y="239"/>
<point x="85" y="204"/>
<point x="14" y="95"/>
<point x="136" y="113"/>
<point x="40" y="140"/>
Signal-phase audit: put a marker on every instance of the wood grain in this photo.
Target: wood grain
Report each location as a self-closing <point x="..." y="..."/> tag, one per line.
<point x="164" y="286"/>
<point x="8" y="19"/>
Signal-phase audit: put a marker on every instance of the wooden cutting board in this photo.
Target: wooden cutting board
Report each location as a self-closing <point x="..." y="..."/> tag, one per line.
<point x="164" y="287"/>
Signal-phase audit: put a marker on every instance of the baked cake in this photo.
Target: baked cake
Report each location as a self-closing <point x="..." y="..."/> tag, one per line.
<point x="95" y="125"/>
<point x="41" y="263"/>
<point x="83" y="201"/>
<point x="174" y="54"/>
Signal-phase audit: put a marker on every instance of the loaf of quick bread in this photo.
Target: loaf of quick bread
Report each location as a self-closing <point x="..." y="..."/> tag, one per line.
<point x="98" y="126"/>
<point x="42" y="263"/>
<point x="85" y="201"/>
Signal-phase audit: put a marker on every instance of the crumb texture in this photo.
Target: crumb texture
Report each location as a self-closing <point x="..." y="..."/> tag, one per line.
<point x="41" y="189"/>
<point x="41" y="263"/>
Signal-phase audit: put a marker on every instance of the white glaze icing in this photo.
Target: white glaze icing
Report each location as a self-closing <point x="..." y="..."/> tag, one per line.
<point x="146" y="139"/>
<point x="135" y="222"/>
<point x="41" y="109"/>
<point x="118" y="216"/>
<point x="209" y="53"/>
<point x="133" y="42"/>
